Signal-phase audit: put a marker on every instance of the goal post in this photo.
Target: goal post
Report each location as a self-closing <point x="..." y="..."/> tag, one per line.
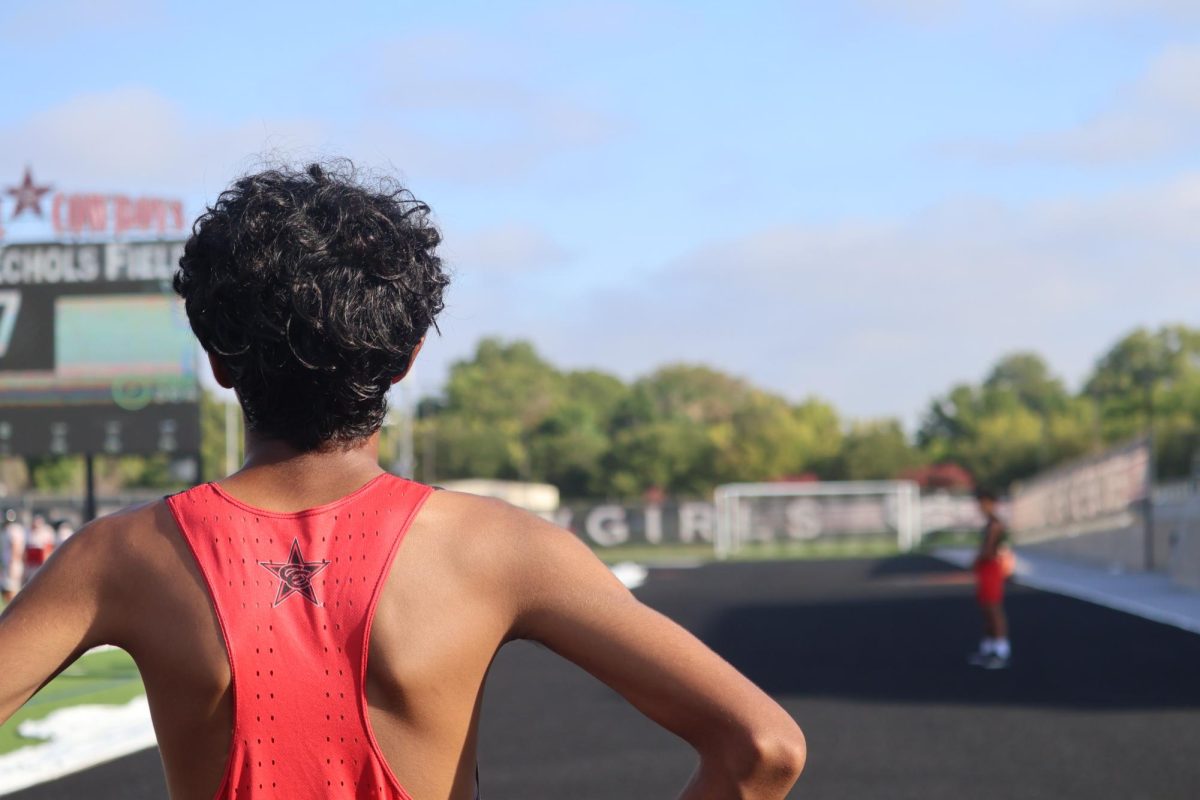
<point x="774" y="514"/>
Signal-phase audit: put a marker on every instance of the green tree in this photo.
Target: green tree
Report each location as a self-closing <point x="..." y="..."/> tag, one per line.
<point x="59" y="474"/>
<point x="699" y="394"/>
<point x="492" y="404"/>
<point x="212" y="434"/>
<point x="876" y="450"/>
<point x="669" y="430"/>
<point x="571" y="442"/>
<point x="1144" y="362"/>
<point x="1005" y="446"/>
<point x="672" y="454"/>
<point x="1151" y="379"/>
<point x="1026" y="376"/>
<point x="568" y="449"/>
<point x="822" y="436"/>
<point x="1020" y="420"/>
<point x="507" y="413"/>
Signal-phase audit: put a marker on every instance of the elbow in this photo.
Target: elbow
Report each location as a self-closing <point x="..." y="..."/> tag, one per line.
<point x="781" y="756"/>
<point x="764" y="763"/>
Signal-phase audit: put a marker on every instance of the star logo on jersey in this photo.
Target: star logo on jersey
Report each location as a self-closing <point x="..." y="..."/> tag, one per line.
<point x="295" y="575"/>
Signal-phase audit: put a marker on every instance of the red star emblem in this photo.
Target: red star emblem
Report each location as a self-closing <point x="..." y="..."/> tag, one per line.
<point x="295" y="575"/>
<point x="28" y="195"/>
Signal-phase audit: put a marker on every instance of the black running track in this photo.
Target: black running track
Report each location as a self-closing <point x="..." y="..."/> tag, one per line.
<point x="869" y="657"/>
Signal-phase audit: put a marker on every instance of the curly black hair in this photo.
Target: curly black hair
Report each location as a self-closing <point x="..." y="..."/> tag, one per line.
<point x="313" y="289"/>
<point x="985" y="493"/>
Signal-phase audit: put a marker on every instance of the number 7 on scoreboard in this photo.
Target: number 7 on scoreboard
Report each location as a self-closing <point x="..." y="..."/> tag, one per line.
<point x="10" y="304"/>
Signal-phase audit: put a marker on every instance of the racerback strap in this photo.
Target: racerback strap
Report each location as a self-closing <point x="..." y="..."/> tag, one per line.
<point x="295" y="594"/>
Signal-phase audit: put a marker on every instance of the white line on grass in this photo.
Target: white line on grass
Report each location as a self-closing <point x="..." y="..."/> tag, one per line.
<point x="76" y="738"/>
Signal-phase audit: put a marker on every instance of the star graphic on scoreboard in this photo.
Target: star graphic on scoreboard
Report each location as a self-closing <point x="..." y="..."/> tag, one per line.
<point x="28" y="195"/>
<point x="295" y="575"/>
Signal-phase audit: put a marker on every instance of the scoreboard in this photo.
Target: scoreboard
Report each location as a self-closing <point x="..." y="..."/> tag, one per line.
<point x="96" y="356"/>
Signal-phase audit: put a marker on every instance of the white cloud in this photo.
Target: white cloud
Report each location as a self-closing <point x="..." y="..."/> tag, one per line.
<point x="475" y="105"/>
<point x="1158" y="114"/>
<point x="1065" y="10"/>
<point x="881" y="315"/>
<point x="37" y="23"/>
<point x="1053" y="12"/>
<point x="505" y="249"/>
<point x="609" y="23"/>
<point x="135" y="138"/>
<point x="920" y="11"/>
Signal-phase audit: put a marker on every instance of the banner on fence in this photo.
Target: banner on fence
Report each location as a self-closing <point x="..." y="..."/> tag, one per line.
<point x="1100" y="492"/>
<point x="694" y="522"/>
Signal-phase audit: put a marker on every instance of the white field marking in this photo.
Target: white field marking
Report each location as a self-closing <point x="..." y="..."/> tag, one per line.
<point x="76" y="738"/>
<point x="677" y="563"/>
<point x="631" y="574"/>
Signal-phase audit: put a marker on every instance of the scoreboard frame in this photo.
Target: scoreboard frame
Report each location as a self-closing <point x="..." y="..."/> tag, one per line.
<point x="141" y="414"/>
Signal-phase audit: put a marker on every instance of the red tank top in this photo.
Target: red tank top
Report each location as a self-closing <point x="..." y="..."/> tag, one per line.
<point x="295" y="595"/>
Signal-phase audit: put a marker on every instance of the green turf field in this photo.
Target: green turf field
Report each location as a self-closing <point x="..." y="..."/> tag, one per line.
<point x="108" y="678"/>
<point x="824" y="548"/>
<point x="832" y="547"/>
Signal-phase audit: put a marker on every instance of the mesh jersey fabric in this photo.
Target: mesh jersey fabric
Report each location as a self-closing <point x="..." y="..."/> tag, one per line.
<point x="295" y="594"/>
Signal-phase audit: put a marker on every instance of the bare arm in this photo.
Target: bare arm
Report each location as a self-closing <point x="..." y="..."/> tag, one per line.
<point x="991" y="539"/>
<point x="52" y="621"/>
<point x="749" y="747"/>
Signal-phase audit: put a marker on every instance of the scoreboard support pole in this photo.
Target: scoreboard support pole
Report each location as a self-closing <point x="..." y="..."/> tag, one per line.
<point x="89" y="491"/>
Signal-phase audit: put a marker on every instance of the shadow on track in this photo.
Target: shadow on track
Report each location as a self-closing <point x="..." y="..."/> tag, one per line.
<point x="868" y="655"/>
<point x="907" y="639"/>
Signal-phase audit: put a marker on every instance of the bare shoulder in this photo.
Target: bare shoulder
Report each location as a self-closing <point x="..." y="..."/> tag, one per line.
<point x="126" y="537"/>
<point x="88" y="587"/>
<point x="494" y="535"/>
<point x="119" y="558"/>
<point x="520" y="559"/>
<point x="462" y="512"/>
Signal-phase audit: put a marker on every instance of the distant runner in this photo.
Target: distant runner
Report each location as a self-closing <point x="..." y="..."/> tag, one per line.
<point x="992" y="568"/>
<point x="39" y="544"/>
<point x="12" y="555"/>
<point x="311" y="626"/>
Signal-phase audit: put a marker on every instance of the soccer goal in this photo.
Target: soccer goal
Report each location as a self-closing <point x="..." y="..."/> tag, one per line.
<point x="844" y="515"/>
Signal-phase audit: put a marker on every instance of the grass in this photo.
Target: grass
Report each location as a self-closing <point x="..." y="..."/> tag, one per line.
<point x="832" y="547"/>
<point x="954" y="538"/>
<point x="775" y="551"/>
<point x="105" y="678"/>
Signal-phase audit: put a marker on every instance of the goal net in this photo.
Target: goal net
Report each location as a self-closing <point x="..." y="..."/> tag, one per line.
<point x="836" y="516"/>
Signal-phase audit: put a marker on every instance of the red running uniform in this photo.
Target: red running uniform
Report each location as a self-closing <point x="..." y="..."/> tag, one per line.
<point x="36" y="556"/>
<point x="295" y="595"/>
<point x="989" y="581"/>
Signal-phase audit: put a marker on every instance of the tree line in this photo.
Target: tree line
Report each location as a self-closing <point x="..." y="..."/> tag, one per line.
<point x="507" y="413"/>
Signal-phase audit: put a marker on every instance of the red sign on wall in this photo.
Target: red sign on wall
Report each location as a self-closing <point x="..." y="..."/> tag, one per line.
<point x="82" y="214"/>
<point x="75" y="214"/>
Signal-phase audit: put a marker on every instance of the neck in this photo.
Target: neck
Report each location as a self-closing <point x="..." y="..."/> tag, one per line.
<point x="351" y="462"/>
<point x="279" y="477"/>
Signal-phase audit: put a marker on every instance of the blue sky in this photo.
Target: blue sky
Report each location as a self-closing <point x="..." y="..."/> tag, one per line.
<point x="866" y="200"/>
